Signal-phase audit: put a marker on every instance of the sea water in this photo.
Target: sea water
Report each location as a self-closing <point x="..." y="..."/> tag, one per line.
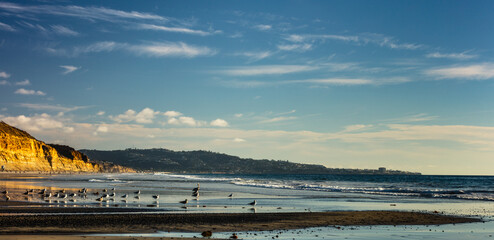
<point x="456" y="195"/>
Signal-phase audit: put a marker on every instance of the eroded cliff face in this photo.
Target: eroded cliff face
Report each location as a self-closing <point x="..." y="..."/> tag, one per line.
<point x="19" y="151"/>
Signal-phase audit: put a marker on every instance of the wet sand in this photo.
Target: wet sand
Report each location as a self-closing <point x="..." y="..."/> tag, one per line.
<point x="106" y="222"/>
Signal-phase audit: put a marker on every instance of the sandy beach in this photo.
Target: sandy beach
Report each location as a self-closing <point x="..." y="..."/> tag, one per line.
<point x="64" y="221"/>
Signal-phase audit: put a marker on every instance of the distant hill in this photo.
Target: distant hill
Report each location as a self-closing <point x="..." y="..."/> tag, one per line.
<point x="165" y="160"/>
<point x="19" y="151"/>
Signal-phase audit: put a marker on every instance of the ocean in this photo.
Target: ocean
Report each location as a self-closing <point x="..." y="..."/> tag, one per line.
<point x="454" y="195"/>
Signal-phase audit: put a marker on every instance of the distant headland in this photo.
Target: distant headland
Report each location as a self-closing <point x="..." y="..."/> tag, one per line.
<point x="197" y="162"/>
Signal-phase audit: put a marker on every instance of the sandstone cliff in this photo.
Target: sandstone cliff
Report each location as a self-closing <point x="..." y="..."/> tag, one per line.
<point x="19" y="151"/>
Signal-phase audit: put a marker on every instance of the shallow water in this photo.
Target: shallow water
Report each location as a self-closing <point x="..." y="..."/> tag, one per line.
<point x="277" y="194"/>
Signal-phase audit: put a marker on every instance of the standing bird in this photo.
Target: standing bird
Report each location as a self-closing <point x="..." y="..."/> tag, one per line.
<point x="231" y="195"/>
<point x="253" y="203"/>
<point x="5" y="192"/>
<point x="197" y="188"/>
<point x="124" y="196"/>
<point x="195" y="194"/>
<point x="156" y="196"/>
<point x="138" y="192"/>
<point x="184" y="201"/>
<point x="7" y="198"/>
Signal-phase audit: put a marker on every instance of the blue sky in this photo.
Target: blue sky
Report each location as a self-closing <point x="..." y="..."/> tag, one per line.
<point x="401" y="84"/>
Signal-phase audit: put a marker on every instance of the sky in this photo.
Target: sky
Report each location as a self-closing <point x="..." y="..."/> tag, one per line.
<point x="405" y="85"/>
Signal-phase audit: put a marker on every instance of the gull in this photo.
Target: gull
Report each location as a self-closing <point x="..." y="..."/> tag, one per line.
<point x="230" y="196"/>
<point x="138" y="192"/>
<point x="65" y="196"/>
<point x="58" y="195"/>
<point x="48" y="195"/>
<point x="7" y="198"/>
<point x="73" y="195"/>
<point x="137" y="197"/>
<point x="27" y="192"/>
<point x="124" y="196"/>
<point x="105" y="190"/>
<point x="106" y="196"/>
<point x="99" y="199"/>
<point x="197" y="188"/>
<point x="184" y="201"/>
<point x="5" y="192"/>
<point x="156" y="196"/>
<point x="253" y="203"/>
<point x="196" y="194"/>
<point x="112" y="195"/>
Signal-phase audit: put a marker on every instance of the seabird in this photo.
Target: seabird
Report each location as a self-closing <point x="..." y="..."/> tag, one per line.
<point x="99" y="199"/>
<point x="7" y="198"/>
<point x="253" y="203"/>
<point x="137" y="197"/>
<point x="106" y="196"/>
<point x="73" y="195"/>
<point x="138" y="192"/>
<point x="105" y="190"/>
<point x="124" y="196"/>
<point x="184" y="201"/>
<point x="196" y="194"/>
<point x="197" y="188"/>
<point x="5" y="192"/>
<point x="48" y="195"/>
<point x="156" y="196"/>
<point x="112" y="195"/>
<point x="26" y="193"/>
<point x="230" y="196"/>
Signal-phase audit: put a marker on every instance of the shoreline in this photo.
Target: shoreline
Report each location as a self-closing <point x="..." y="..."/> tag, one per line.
<point x="104" y="222"/>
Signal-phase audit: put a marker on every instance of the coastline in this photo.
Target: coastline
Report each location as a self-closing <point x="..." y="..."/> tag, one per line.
<point x="66" y="222"/>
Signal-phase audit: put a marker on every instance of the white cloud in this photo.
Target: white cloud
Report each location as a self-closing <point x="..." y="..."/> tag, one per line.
<point x="69" y="69"/>
<point x="480" y="71"/>
<point x="4" y="82"/>
<point x="102" y="129"/>
<point x="238" y="115"/>
<point x="336" y="81"/>
<point x="157" y="49"/>
<point x="65" y="31"/>
<point x="23" y="91"/>
<point x="43" y="107"/>
<point x="23" y="83"/>
<point x="263" y="27"/>
<point x="362" y="39"/>
<point x="172" y="49"/>
<point x="172" y="114"/>
<point x="100" y="113"/>
<point x="4" y="75"/>
<point x="278" y="119"/>
<point x="37" y="122"/>
<point x="295" y="47"/>
<point x="268" y="70"/>
<point x="238" y="140"/>
<point x="219" y="123"/>
<point x="146" y="115"/>
<point x="6" y="27"/>
<point x="86" y="13"/>
<point x="173" y="29"/>
<point x="357" y="127"/>
<point x="457" y="56"/>
<point x="255" y="56"/>
<point x="188" y="121"/>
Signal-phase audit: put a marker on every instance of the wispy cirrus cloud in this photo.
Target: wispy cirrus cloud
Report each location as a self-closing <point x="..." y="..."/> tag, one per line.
<point x="263" y="27"/>
<point x="175" y="29"/>
<point x="48" y="107"/>
<point x="23" y="91"/>
<point x="267" y="70"/>
<point x="171" y="49"/>
<point x="481" y="71"/>
<point x="86" y="13"/>
<point x="7" y="27"/>
<point x="456" y="56"/>
<point x="295" y="47"/>
<point x="69" y="69"/>
<point x="362" y="39"/>
<point x="155" y="49"/>
<point x="255" y="56"/>
<point x="65" y="31"/>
